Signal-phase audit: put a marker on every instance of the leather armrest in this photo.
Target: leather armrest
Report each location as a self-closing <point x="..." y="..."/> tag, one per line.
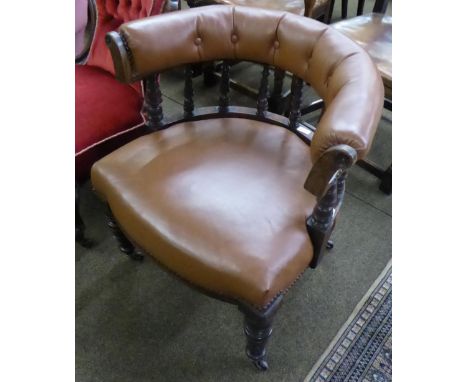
<point x="352" y="115"/>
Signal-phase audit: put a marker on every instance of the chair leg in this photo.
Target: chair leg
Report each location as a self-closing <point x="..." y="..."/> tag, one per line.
<point x="344" y="9"/>
<point x="125" y="245"/>
<point x="388" y="104"/>
<point x="329" y="16"/>
<point x="258" y="328"/>
<point x="386" y="183"/>
<point x="80" y="236"/>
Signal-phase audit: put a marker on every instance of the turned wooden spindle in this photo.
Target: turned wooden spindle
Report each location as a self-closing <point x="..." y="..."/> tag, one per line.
<point x="224" y="86"/>
<point x="262" y="101"/>
<point x="276" y="102"/>
<point x="295" y="103"/>
<point x="320" y="224"/>
<point x="340" y="187"/>
<point x="188" y="92"/>
<point x="153" y="102"/>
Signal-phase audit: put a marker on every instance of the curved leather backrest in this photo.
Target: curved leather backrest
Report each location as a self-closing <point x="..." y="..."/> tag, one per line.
<point x="339" y="70"/>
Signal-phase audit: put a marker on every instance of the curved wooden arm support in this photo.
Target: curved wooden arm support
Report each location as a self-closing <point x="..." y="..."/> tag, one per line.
<point x="333" y="162"/>
<point x="121" y="56"/>
<point x="326" y="181"/>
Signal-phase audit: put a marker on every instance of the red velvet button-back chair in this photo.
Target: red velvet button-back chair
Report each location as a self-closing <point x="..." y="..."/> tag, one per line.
<point x="107" y="112"/>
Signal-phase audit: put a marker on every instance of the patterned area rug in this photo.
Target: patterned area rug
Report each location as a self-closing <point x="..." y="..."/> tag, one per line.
<point x="362" y="349"/>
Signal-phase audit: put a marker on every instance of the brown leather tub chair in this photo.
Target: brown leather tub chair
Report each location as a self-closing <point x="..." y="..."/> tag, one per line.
<point x="238" y="202"/>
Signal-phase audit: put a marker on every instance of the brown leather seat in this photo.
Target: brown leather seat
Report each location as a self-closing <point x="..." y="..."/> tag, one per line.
<point x="374" y="33"/>
<point x="219" y="202"/>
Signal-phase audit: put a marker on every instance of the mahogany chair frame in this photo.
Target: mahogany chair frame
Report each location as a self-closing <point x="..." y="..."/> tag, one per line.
<point x="326" y="179"/>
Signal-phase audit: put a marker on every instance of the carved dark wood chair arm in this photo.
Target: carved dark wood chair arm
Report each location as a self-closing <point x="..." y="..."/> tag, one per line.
<point x="327" y="170"/>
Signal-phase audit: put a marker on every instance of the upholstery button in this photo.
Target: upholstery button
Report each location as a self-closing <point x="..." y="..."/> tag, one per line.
<point x="198" y="41"/>
<point x="276" y="44"/>
<point x="234" y="38"/>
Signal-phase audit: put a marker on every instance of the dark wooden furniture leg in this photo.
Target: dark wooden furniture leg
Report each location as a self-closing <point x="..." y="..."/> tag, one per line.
<point x="388" y="104"/>
<point x="125" y="245"/>
<point x="80" y="236"/>
<point x="360" y="7"/>
<point x="386" y="183"/>
<point x="344" y="9"/>
<point x="258" y="328"/>
<point x="330" y="12"/>
<point x="384" y="175"/>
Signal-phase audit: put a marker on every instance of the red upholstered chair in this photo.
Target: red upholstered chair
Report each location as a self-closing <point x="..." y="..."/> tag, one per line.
<point x="107" y="112"/>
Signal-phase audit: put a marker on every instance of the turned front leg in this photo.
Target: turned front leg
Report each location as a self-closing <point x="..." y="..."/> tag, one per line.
<point x="258" y="329"/>
<point x="80" y="236"/>
<point x="125" y="245"/>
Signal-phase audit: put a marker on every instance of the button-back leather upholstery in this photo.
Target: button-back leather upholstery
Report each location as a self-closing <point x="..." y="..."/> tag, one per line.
<point x="340" y="71"/>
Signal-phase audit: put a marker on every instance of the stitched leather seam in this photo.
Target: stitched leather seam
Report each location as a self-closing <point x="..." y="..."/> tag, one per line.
<point x="234" y="31"/>
<point x="282" y="291"/>
<point x="216" y="294"/>
<point x="313" y="50"/>
<point x="336" y="66"/>
<point x="276" y="36"/>
<point x="198" y="36"/>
